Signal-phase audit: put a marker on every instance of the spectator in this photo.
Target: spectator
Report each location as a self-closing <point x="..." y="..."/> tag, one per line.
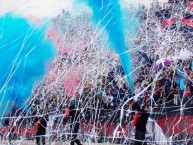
<point x="75" y="123"/>
<point x="41" y="130"/>
<point x="141" y="125"/>
<point x="11" y="131"/>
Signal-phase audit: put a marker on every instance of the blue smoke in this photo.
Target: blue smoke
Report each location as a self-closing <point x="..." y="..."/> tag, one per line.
<point x="25" y="53"/>
<point x="108" y="14"/>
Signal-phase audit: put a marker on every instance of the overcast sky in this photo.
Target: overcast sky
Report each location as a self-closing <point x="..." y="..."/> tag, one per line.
<point x="48" y="8"/>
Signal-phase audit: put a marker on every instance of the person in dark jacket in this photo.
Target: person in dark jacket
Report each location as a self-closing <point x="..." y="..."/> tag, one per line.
<point x="41" y="130"/>
<point x="11" y="131"/>
<point x="141" y="125"/>
<point x="75" y="123"/>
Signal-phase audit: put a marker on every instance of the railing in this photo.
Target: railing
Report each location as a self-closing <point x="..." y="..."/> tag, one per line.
<point x="156" y="132"/>
<point x="159" y="131"/>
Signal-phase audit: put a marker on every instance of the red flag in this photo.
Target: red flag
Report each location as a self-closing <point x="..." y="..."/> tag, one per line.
<point x="67" y="113"/>
<point x="191" y="5"/>
<point x="188" y="22"/>
<point x="37" y="124"/>
<point x="168" y="22"/>
<point x="135" y="118"/>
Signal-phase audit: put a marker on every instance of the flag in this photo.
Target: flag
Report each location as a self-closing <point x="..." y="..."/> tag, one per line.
<point x="160" y="64"/>
<point x="37" y="124"/>
<point x="191" y="4"/>
<point x="166" y="19"/>
<point x="135" y="118"/>
<point x="67" y="113"/>
<point x="187" y="23"/>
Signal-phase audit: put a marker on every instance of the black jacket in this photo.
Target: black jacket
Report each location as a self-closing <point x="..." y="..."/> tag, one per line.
<point x="74" y="113"/>
<point x="42" y="127"/>
<point x="142" y="120"/>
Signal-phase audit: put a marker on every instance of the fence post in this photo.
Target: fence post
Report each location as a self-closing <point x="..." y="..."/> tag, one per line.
<point x="183" y="122"/>
<point x="153" y="131"/>
<point x="129" y="127"/>
<point x="167" y="128"/>
<point x="183" y="127"/>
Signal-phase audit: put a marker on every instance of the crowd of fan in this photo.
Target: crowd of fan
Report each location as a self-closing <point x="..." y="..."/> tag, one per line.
<point x="155" y="81"/>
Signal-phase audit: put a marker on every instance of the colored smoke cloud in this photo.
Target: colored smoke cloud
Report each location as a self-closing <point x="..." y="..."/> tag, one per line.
<point x="109" y="15"/>
<point x="25" y="54"/>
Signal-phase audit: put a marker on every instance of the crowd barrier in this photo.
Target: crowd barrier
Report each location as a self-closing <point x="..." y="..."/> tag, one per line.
<point x="177" y="125"/>
<point x="173" y="125"/>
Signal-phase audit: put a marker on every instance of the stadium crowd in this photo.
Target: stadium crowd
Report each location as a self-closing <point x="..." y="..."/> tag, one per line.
<point x="164" y="74"/>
